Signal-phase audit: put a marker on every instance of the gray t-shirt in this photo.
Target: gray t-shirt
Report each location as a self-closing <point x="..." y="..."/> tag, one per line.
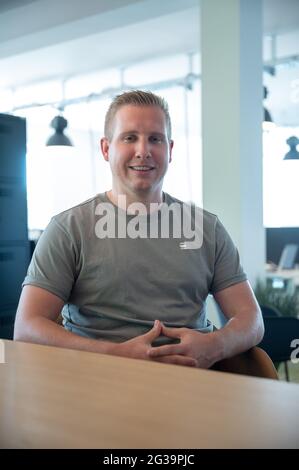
<point x="114" y="288"/>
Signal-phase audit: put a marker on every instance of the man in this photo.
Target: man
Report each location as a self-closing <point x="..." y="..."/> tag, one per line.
<point x="113" y="287"/>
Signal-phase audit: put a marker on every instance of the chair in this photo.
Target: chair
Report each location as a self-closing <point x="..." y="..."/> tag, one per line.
<point x="268" y="311"/>
<point x="254" y="362"/>
<point x="279" y="333"/>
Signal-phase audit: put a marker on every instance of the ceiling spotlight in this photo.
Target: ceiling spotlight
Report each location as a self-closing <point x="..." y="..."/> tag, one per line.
<point x="59" y="123"/>
<point x="293" y="153"/>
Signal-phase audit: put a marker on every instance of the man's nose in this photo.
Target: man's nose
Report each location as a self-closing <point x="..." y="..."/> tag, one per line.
<point x="143" y="149"/>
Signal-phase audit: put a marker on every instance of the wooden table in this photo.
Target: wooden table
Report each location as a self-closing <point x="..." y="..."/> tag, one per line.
<point x="59" y="398"/>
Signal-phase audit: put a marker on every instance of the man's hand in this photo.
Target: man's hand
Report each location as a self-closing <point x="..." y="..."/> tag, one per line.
<point x="193" y="344"/>
<point x="139" y="348"/>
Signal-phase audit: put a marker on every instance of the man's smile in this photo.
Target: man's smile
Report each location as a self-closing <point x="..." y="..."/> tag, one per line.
<point x="141" y="168"/>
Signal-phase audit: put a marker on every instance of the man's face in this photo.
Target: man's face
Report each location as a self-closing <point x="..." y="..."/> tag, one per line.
<point x="139" y="151"/>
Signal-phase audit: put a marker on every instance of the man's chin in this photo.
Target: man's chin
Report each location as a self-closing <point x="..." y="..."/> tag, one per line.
<point x="142" y="188"/>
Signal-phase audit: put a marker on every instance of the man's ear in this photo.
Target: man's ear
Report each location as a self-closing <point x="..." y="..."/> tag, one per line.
<point x="171" y="143"/>
<point x="105" y="148"/>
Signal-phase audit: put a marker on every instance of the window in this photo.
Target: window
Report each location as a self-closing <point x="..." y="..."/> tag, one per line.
<point x="280" y="180"/>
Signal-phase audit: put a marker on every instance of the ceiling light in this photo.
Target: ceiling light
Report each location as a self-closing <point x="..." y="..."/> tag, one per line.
<point x="59" y="123"/>
<point x="293" y="153"/>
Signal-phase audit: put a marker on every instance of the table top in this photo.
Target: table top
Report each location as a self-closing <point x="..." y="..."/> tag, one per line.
<point x="59" y="398"/>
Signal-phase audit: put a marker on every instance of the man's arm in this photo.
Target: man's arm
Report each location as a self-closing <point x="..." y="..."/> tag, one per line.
<point x="244" y="330"/>
<point x="36" y="318"/>
<point x="245" y="327"/>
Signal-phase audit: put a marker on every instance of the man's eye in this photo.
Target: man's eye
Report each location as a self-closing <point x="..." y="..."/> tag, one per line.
<point x="129" y="138"/>
<point x="156" y="140"/>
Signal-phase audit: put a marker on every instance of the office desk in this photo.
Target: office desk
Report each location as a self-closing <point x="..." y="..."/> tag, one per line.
<point x="59" y="398"/>
<point x="289" y="276"/>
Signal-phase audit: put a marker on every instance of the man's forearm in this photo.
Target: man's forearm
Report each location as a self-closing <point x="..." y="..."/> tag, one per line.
<point x="238" y="335"/>
<point x="45" y="331"/>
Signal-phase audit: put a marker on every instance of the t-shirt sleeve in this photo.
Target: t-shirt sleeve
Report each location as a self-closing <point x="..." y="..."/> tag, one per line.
<point x="227" y="269"/>
<point x="53" y="264"/>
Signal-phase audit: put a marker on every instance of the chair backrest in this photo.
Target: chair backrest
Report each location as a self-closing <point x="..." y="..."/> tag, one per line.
<point x="279" y="333"/>
<point x="268" y="311"/>
<point x="254" y="362"/>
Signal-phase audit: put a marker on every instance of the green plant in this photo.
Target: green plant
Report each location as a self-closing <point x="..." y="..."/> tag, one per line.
<point x="286" y="303"/>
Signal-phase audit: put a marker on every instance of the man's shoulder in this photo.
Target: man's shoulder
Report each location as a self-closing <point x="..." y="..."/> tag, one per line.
<point x="80" y="214"/>
<point x="85" y="206"/>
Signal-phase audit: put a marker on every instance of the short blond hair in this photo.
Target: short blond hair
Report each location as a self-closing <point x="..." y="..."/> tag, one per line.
<point x="135" y="98"/>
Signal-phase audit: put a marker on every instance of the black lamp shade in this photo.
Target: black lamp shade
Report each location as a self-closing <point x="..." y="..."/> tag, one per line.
<point x="59" y="123"/>
<point x="267" y="116"/>
<point x="293" y="153"/>
<point x="59" y="139"/>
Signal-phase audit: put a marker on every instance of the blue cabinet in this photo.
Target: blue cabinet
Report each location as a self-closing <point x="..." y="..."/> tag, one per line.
<point x="14" y="245"/>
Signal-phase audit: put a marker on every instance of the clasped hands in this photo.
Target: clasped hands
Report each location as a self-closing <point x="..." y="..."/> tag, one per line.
<point x="194" y="348"/>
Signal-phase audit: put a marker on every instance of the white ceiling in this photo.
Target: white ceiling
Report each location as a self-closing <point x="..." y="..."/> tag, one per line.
<point x="6" y="5"/>
<point x="41" y="39"/>
<point x="57" y="42"/>
<point x="280" y="16"/>
<point x="100" y="41"/>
